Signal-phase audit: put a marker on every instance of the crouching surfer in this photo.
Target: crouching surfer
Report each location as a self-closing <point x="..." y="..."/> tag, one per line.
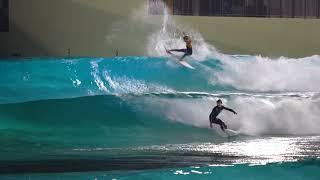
<point x="215" y="112"/>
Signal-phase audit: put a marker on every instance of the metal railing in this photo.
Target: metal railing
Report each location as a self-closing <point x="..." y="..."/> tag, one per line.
<point x="249" y="8"/>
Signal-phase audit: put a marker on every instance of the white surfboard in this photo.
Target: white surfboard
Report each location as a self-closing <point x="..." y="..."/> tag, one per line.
<point x="177" y="59"/>
<point x="185" y="64"/>
<point x="231" y="132"/>
<point x="226" y="133"/>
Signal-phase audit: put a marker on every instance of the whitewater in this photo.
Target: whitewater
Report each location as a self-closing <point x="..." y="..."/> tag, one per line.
<point x="144" y="117"/>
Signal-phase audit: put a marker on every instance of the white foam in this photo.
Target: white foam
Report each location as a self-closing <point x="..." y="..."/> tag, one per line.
<point x="123" y="85"/>
<point x="96" y="74"/>
<point x="265" y="74"/>
<point x="170" y="36"/>
<point x="256" y="115"/>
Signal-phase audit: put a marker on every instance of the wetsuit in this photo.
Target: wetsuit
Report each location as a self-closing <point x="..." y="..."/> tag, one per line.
<point x="187" y="51"/>
<point x="215" y="112"/>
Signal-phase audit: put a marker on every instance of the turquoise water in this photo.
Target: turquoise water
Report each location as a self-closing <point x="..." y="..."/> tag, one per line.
<point x="147" y="118"/>
<point x="299" y="170"/>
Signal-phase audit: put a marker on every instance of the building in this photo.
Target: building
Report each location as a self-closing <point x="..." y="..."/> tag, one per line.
<point x="246" y="8"/>
<point x="4" y="26"/>
<point x="110" y="27"/>
<point x="4" y="16"/>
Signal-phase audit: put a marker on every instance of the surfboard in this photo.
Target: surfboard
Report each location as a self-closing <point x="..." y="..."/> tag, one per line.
<point x="231" y="132"/>
<point x="226" y="133"/>
<point x="177" y="59"/>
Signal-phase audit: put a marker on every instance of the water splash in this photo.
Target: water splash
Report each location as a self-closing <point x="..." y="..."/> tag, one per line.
<point x="257" y="73"/>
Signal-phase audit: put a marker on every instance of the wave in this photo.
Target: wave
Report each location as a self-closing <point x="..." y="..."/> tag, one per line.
<point x="131" y="120"/>
<point x="91" y="121"/>
<point x="54" y="78"/>
<point x="257" y="114"/>
<point x="129" y="144"/>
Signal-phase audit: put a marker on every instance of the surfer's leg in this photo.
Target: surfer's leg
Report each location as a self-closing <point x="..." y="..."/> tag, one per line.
<point x="187" y="53"/>
<point x="223" y="126"/>
<point x="211" y="119"/>
<point x="183" y="57"/>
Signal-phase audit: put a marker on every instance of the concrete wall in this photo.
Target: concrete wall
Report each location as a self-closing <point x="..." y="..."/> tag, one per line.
<point x="266" y="36"/>
<point x="100" y="27"/>
<point x="52" y="28"/>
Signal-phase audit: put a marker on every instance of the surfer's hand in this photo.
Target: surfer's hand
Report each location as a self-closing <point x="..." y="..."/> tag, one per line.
<point x="235" y="112"/>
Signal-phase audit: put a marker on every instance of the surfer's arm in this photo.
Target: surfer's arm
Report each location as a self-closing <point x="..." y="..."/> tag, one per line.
<point x="231" y="110"/>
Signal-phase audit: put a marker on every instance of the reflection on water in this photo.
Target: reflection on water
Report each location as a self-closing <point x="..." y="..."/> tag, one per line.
<point x="250" y="151"/>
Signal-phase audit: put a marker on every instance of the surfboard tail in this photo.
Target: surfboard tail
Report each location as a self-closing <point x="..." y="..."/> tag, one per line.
<point x="231" y="132"/>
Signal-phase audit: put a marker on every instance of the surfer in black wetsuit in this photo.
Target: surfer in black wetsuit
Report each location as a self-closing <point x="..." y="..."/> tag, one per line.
<point x="187" y="51"/>
<point x="215" y="112"/>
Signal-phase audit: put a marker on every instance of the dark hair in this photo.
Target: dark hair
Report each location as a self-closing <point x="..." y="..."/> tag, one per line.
<point x="219" y="101"/>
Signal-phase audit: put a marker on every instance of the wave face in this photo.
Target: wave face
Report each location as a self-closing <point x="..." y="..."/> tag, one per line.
<point x="53" y="78"/>
<point x="57" y="78"/>
<point x="155" y="118"/>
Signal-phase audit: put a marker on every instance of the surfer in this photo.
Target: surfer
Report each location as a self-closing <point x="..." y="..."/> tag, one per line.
<point x="215" y="112"/>
<point x="188" y="50"/>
